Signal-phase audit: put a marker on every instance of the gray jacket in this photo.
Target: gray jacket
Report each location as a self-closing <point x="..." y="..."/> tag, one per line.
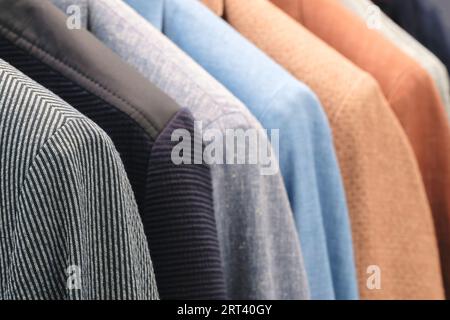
<point x="69" y="223"/>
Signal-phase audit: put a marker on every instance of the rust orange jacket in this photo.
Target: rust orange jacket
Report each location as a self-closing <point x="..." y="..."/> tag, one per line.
<point x="409" y="90"/>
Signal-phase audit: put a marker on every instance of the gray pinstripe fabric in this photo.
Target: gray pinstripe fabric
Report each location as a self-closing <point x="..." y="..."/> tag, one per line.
<point x="65" y="201"/>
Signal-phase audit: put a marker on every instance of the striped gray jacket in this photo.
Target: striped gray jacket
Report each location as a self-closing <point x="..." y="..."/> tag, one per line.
<point x="174" y="201"/>
<point x="69" y="224"/>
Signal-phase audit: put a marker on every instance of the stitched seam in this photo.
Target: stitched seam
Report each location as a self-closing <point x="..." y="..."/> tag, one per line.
<point x="268" y="107"/>
<point x="335" y="114"/>
<point x="398" y="83"/>
<point x="66" y="122"/>
<point x="6" y="29"/>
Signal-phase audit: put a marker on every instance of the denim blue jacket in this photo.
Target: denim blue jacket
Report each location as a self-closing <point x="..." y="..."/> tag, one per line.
<point x="307" y="157"/>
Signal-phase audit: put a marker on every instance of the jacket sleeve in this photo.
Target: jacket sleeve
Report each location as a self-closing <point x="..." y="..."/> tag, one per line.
<point x="78" y="232"/>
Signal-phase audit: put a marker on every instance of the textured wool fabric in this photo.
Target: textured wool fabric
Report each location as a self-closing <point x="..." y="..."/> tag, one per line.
<point x="67" y="208"/>
<point x="175" y="202"/>
<point x="261" y="252"/>
<point x="181" y="228"/>
<point x="428" y="21"/>
<point x="391" y="219"/>
<point x="307" y="157"/>
<point x="409" y="91"/>
<point x="375" y="18"/>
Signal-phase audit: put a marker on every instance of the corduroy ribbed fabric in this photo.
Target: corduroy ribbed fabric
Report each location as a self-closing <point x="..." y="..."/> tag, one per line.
<point x="69" y="223"/>
<point x="175" y="202"/>
<point x="181" y="228"/>
<point x="391" y="220"/>
<point x="409" y="91"/>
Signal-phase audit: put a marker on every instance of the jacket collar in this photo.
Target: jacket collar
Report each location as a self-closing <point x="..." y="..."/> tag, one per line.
<point x="40" y="29"/>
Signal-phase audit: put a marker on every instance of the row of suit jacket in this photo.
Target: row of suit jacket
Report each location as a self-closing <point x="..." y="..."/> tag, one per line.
<point x="94" y="207"/>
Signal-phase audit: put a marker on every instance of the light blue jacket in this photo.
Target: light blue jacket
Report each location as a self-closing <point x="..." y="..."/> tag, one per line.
<point x="307" y="156"/>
